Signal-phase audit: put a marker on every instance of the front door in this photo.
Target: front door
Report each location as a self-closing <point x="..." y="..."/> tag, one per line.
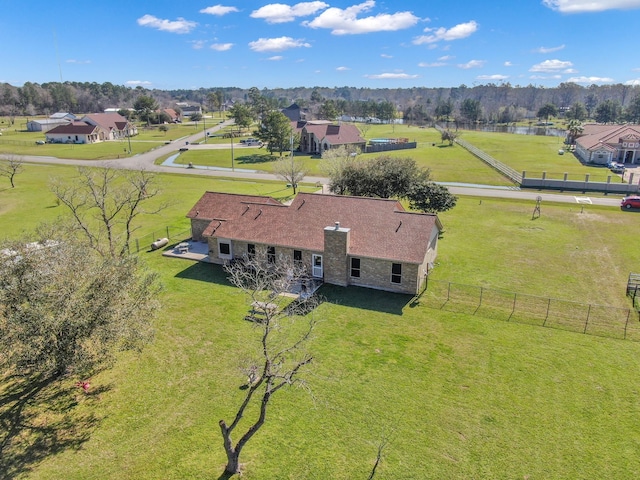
<point x="316" y="265"/>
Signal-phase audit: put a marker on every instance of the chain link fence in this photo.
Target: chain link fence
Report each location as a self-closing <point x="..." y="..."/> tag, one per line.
<point x="600" y="320"/>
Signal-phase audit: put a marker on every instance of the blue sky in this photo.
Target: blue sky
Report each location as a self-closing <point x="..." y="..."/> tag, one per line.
<point x="368" y="43"/>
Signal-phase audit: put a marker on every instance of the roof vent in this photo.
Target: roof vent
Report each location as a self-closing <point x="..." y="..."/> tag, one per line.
<point x="337" y="225"/>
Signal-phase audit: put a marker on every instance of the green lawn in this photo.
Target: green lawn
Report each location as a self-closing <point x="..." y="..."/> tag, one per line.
<point x="457" y="396"/>
<point x="535" y="154"/>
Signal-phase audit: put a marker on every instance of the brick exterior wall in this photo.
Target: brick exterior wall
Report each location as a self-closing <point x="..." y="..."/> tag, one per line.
<point x="197" y="227"/>
<point x="374" y="273"/>
<point x="336" y="249"/>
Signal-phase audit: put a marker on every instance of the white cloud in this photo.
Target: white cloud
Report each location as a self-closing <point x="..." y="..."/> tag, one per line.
<point x="633" y="82"/>
<point x="462" y="30"/>
<point x="549" y="49"/>
<point x="198" y="44"/>
<point x="78" y="62"/>
<point x="590" y="80"/>
<point x="580" y="6"/>
<point x="342" y="69"/>
<point x="386" y="55"/>
<point x="177" y="26"/>
<point x="276" y="44"/>
<point x="492" y="78"/>
<point x="346" y="21"/>
<point x="221" y="47"/>
<point x="275" y="58"/>
<point x="281" y="13"/>
<point x="432" y="65"/>
<point x="445" y="58"/>
<point x="472" y="64"/>
<point x="508" y="64"/>
<point x="392" y="76"/>
<point x="219" y="10"/>
<point x="552" y="66"/>
<point x="138" y="82"/>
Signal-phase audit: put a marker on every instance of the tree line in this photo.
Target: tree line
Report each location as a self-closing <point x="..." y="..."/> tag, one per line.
<point x="501" y="103"/>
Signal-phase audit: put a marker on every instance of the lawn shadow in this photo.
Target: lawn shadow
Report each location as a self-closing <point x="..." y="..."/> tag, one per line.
<point x="38" y="419"/>
<point x="366" y="298"/>
<point x="248" y="159"/>
<point x="205" y="272"/>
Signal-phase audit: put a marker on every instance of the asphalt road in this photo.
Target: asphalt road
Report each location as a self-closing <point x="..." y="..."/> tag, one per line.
<point x="145" y="161"/>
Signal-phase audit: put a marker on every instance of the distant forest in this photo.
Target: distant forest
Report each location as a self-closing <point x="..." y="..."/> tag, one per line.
<point x="499" y="103"/>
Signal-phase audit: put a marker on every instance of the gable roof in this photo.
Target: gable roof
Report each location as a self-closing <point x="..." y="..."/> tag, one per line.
<point x="74" y="128"/>
<point x="379" y="228"/>
<point x="108" y="121"/>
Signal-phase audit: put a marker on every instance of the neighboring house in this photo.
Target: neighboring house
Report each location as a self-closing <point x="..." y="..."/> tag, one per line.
<point x="369" y="242"/>
<point x="74" y="132"/>
<point x="63" y="116"/>
<point x="45" y="125"/>
<point x="602" y="144"/>
<point x="294" y="113"/>
<point x="113" y="125"/>
<point x="173" y="115"/>
<point x="188" y="110"/>
<point x="318" y="136"/>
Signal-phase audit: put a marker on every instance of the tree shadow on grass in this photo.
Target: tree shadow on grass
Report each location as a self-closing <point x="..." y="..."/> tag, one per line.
<point x="249" y="159"/>
<point x="39" y="418"/>
<point x="366" y="298"/>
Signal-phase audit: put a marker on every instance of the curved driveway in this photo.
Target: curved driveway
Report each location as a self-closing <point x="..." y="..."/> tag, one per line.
<point x="146" y="161"/>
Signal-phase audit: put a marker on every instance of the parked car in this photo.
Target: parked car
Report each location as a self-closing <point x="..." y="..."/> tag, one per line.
<point x="630" y="202"/>
<point x="616" y="167"/>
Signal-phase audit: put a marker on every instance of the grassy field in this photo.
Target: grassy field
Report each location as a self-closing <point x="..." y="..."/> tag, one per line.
<point x="17" y="140"/>
<point x="530" y="153"/>
<point x="457" y="396"/>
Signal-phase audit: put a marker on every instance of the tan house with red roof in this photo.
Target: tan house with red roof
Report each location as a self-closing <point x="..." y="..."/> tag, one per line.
<point x="320" y="135"/>
<point x="369" y="242"/>
<point x="601" y="144"/>
<point x="74" y="132"/>
<point x="113" y="125"/>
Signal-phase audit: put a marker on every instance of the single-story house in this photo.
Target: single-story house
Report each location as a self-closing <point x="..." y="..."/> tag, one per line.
<point x="188" y="110"/>
<point x="113" y="125"/>
<point x="44" y="125"/>
<point x="173" y="115"/>
<point x="320" y="135"/>
<point x="343" y="240"/>
<point x="74" y="132"/>
<point x="602" y="144"/>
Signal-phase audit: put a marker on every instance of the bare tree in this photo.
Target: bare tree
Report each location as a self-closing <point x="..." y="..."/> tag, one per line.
<point x="104" y="204"/>
<point x="291" y="170"/>
<point x="10" y="168"/>
<point x="334" y="163"/>
<point x="283" y="340"/>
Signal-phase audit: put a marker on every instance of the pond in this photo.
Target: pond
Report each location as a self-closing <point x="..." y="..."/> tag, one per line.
<point x="517" y="129"/>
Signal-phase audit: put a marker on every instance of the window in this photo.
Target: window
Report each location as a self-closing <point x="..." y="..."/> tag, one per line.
<point x="396" y="273"/>
<point x="271" y="254"/>
<point x="297" y="255"/>
<point x="251" y="250"/>
<point x="225" y="250"/>
<point x="355" y="267"/>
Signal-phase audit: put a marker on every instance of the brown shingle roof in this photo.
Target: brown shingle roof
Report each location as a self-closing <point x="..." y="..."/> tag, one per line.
<point x="598" y="136"/>
<point x="74" y="128"/>
<point x="379" y="228"/>
<point x="107" y="121"/>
